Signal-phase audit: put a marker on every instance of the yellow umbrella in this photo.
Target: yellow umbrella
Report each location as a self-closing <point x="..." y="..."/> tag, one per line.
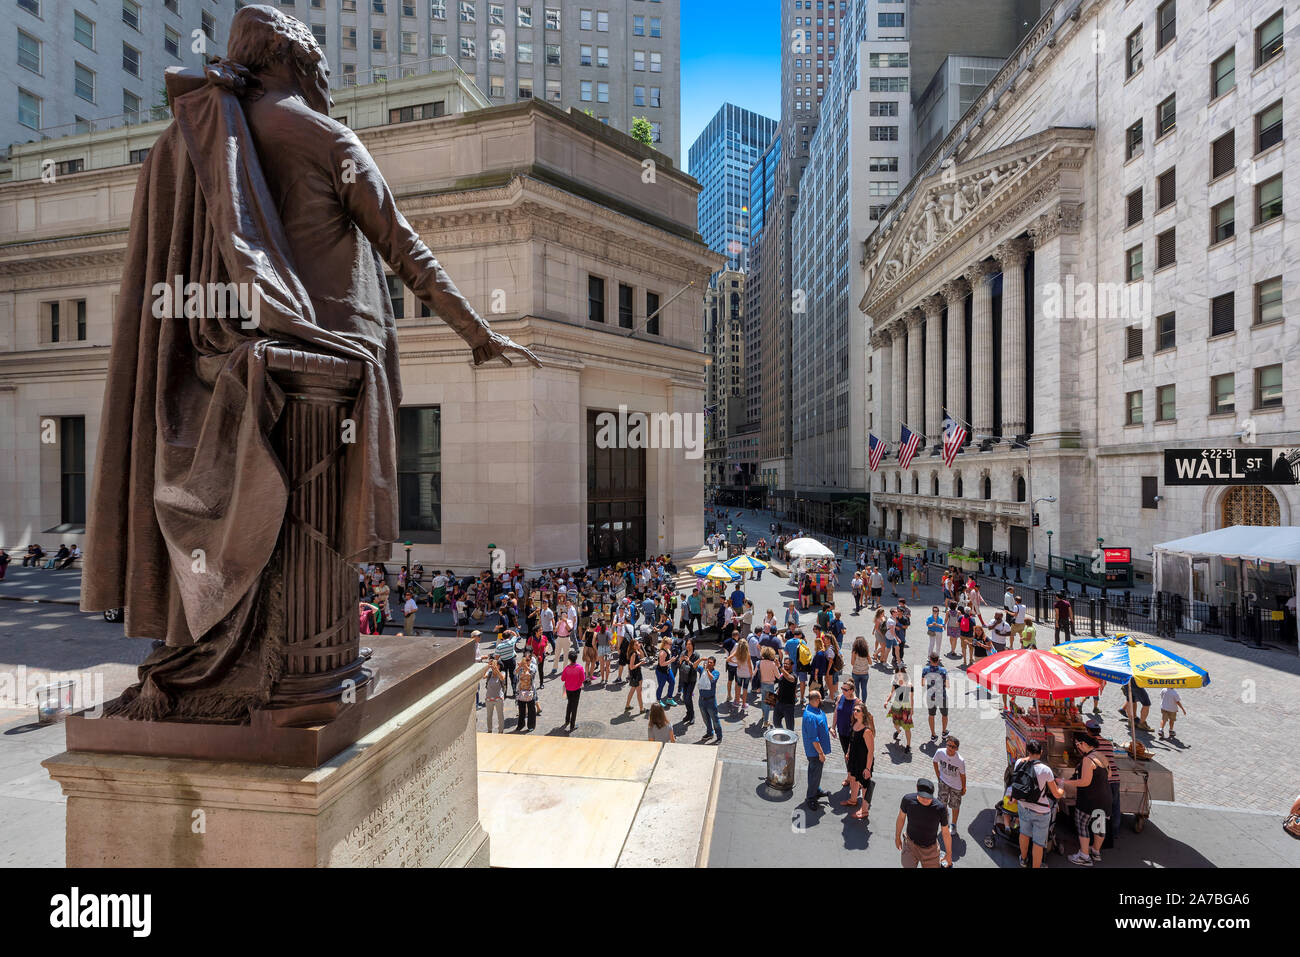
<point x="746" y="563"/>
<point x="714" y="571"/>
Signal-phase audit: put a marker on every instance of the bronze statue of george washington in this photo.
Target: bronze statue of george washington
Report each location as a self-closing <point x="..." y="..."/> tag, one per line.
<point x="253" y="187"/>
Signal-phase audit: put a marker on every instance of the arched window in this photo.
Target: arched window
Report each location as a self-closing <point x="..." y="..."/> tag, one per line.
<point x="988" y="487"/>
<point x="898" y="482"/>
<point x="916" y="484"/>
<point x="1249" y="505"/>
<point x="882" y="484"/>
<point x="934" y="485"/>
<point x="957" y="486"/>
<point x="1020" y="488"/>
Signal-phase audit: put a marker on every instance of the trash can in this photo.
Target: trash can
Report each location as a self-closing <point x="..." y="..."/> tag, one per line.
<point x="780" y="758"/>
<point x="54" y="701"/>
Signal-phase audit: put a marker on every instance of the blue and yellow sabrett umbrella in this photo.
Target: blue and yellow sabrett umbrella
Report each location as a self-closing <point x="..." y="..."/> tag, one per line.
<point x="745" y="563"/>
<point x="1122" y="657"/>
<point x="714" y="571"/>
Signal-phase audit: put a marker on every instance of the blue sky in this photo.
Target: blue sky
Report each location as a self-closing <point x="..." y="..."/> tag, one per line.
<point x="731" y="52"/>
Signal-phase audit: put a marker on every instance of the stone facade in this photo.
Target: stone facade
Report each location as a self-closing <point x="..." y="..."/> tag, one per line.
<point x="1023" y="224"/>
<point x="523" y="205"/>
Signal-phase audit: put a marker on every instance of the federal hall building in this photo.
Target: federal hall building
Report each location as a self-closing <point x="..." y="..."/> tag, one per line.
<point x="1087" y="281"/>
<point x="568" y="236"/>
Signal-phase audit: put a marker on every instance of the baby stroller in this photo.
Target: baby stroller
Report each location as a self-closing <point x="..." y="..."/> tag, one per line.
<point x="1009" y="831"/>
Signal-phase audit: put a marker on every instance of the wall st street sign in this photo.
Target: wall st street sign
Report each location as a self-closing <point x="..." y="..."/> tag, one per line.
<point x="1245" y="466"/>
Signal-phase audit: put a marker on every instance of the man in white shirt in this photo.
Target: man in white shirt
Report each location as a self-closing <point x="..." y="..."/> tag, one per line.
<point x="1018" y="612"/>
<point x="408" y="612"/>
<point x="547" y="621"/>
<point x="950" y="769"/>
<point x="1036" y="816"/>
<point x="1008" y="599"/>
<point x="1000" y="633"/>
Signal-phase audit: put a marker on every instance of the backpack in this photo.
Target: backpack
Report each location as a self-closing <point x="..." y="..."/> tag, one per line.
<point x="1024" y="782"/>
<point x="805" y="656"/>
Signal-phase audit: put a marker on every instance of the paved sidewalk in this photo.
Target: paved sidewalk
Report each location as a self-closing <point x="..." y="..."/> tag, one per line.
<point x="755" y="826"/>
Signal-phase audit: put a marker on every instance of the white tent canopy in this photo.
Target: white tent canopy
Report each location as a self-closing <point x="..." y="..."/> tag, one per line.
<point x="808" y="548"/>
<point x="1263" y="543"/>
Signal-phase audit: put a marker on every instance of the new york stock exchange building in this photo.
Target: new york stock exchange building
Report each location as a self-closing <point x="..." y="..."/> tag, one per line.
<point x="1085" y="284"/>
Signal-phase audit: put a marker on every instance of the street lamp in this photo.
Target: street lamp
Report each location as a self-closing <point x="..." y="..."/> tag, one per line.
<point x="1049" y="554"/>
<point x="407" y="546"/>
<point x="1032" y="557"/>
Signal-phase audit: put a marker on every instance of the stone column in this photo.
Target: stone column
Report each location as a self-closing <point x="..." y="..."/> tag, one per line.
<point x="981" y="364"/>
<point x="1012" y="256"/>
<point x="933" y="369"/>
<point x="898" y="382"/>
<point x="915" y="390"/>
<point x="884" y="370"/>
<point x="954" y="292"/>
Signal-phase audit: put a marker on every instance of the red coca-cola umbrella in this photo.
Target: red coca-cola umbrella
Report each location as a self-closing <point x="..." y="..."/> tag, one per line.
<point x="1030" y="673"/>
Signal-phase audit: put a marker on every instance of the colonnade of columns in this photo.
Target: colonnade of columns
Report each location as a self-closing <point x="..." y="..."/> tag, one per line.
<point x="915" y="363"/>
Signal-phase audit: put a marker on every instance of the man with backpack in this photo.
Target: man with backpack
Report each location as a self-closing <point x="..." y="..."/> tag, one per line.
<point x="1034" y="787"/>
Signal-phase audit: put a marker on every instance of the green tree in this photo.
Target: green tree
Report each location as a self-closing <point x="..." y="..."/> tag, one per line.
<point x="642" y="132"/>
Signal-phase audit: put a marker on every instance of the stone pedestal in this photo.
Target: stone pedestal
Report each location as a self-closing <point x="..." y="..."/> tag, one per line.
<point x="404" y="794"/>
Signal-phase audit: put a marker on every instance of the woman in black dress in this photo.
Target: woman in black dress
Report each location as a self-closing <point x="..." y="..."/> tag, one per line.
<point x="861" y="760"/>
<point x="635" y="657"/>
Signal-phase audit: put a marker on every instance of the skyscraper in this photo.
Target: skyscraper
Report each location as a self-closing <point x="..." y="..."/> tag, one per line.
<point x="721" y="158"/>
<point x="620" y="62"/>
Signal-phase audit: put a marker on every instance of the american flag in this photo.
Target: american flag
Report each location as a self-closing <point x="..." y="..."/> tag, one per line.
<point x="876" y="451"/>
<point x="908" y="443"/>
<point x="954" y="436"/>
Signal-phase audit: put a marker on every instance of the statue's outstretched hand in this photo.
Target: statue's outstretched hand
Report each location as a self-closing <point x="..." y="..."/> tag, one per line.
<point x="500" y="347"/>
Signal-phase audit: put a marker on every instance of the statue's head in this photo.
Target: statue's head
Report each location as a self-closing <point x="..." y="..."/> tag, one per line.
<point x="266" y="41"/>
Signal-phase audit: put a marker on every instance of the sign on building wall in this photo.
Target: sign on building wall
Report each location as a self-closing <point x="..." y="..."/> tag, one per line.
<point x="1245" y="466"/>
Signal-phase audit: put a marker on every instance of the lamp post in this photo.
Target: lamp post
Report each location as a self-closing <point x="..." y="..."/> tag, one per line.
<point x="1032" y="555"/>
<point x="407" y="546"/>
<point x="1049" y="554"/>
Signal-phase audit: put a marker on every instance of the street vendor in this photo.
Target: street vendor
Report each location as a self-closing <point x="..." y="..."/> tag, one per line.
<point x="1106" y="748"/>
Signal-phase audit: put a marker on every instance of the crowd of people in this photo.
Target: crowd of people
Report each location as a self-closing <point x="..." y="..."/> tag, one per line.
<point x="34" y="556"/>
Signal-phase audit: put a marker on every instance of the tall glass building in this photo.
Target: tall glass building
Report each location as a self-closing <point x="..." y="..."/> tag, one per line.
<point x="721" y="159"/>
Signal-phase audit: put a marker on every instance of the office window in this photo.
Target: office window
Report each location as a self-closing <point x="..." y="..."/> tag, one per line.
<point x="883" y="164"/>
<point x="408" y="8"/>
<point x="655" y="96"/>
<point x="72" y="470"/>
<point x="1222" y="221"/>
<point x="1133" y="141"/>
<point x="1134" y="206"/>
<point x="1268" y="127"/>
<point x="552" y="54"/>
<point x="1166" y="328"/>
<point x="1166" y="189"/>
<point x="638" y="59"/>
<point x="208" y="24"/>
<point x="552" y="18"/>
<point x="83" y="30"/>
<point x="497" y="86"/>
<point x="377" y="6"/>
<point x="468" y="49"/>
<point x="172" y="40"/>
<point x="657" y="65"/>
<point x="602" y="56"/>
<point x="419" y="473"/>
<point x="378" y="40"/>
<point x="438" y="9"/>
<point x="524" y="16"/>
<point x="584" y="19"/>
<point x="438" y="44"/>
<point x="625" y="300"/>
<point x="656" y="27"/>
<point x="1166" y="24"/>
<point x="66" y="167"/>
<point x="29" y="52"/>
<point x="1222" y="155"/>
<point x="595" y="299"/>
<point x="586" y="88"/>
<point x="1222" y="314"/>
<point x="1268" y="200"/>
<point x="84" y="83"/>
<point x="1166" y="254"/>
<point x="349" y="40"/>
<point x="1268" y="301"/>
<point x="1133" y="343"/>
<point x="467" y="12"/>
<point x="584" y="55"/>
<point x="638" y="96"/>
<point x="1223" y="394"/>
<point x="396" y="295"/>
<point x="31" y="6"/>
<point x="497" y="14"/>
<point x="1268" y="39"/>
<point x="1223" y="74"/>
<point x="1133" y="53"/>
<point x="886" y="84"/>
<point x="881" y="134"/>
<point x="130" y="59"/>
<point x="638" y="26"/>
<point x="553" y="91"/>
<point x="523" y="53"/>
<point x="889" y="19"/>
<point x="131" y="106"/>
<point x="602" y="21"/>
<point x="1133" y="263"/>
<point x="1165" y="409"/>
<point x="138" y="156"/>
<point x="883" y="188"/>
<point x="1268" y="387"/>
<point x="602" y="92"/>
<point x="409" y="43"/>
<point x="1133" y="408"/>
<point x="421" y="111"/>
<point x="884" y="108"/>
<point x="29" y="109"/>
<point x="1166" y="118"/>
<point x="131" y="14"/>
<point x="652" y="311"/>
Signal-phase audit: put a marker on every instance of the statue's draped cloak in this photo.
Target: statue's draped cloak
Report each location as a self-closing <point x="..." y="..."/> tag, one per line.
<point x="189" y="496"/>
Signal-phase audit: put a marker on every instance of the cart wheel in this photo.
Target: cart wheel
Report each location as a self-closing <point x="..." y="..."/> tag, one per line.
<point x="1139" y="822"/>
<point x="988" y="842"/>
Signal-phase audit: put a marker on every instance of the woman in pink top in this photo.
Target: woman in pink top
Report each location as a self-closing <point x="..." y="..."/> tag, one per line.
<point x="573" y="677"/>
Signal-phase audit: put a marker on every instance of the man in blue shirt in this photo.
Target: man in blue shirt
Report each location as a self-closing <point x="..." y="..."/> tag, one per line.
<point x="816" y="745"/>
<point x="738" y="599"/>
<point x="707" y="682"/>
<point x="934" y="630"/>
<point x="648" y="610"/>
<point x="693" y="609"/>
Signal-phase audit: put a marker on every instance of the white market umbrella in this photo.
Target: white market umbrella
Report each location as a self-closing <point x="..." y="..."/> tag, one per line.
<point x="808" y="548"/>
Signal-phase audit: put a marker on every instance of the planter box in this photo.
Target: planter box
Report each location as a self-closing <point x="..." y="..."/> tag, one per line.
<point x="966" y="564"/>
<point x="913" y="551"/>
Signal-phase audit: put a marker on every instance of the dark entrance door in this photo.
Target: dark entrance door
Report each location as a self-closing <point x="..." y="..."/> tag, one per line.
<point x="986" y="537"/>
<point x="1020" y="543"/>
<point x="958" y="533"/>
<point x="615" y="501"/>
